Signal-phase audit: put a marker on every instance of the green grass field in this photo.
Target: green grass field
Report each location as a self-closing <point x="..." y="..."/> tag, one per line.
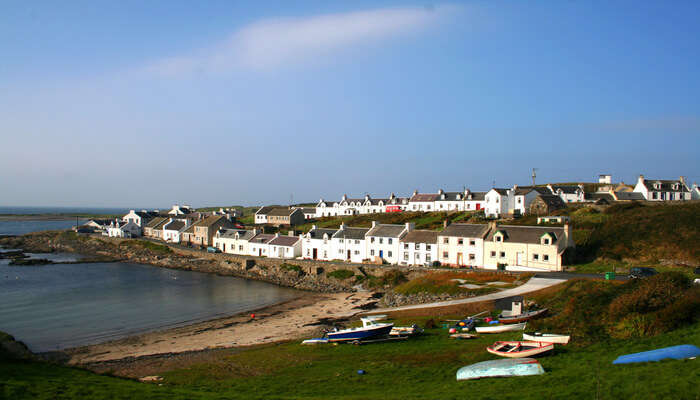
<point x="421" y="368"/>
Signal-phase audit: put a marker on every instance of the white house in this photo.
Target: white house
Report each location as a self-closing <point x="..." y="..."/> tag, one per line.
<point x="474" y="201"/>
<point x="348" y="206"/>
<point x="568" y="193"/>
<point x="317" y="245"/>
<point x="527" y="248"/>
<point x="419" y="247"/>
<point x="520" y="198"/>
<point x="258" y="245"/>
<point x="172" y="230"/>
<point x="140" y="218"/>
<point x="422" y="201"/>
<point x="234" y="241"/>
<point x="605" y="178"/>
<point x="383" y="241"/>
<point x="496" y="202"/>
<point x="663" y="190"/>
<point x="374" y="206"/>
<point x="123" y="229"/>
<point x="180" y="210"/>
<point x="397" y="204"/>
<point x="449" y="201"/>
<point x="285" y="246"/>
<point x="261" y="214"/>
<point x="462" y="244"/>
<point x="326" y="209"/>
<point x="695" y="192"/>
<point x="349" y="243"/>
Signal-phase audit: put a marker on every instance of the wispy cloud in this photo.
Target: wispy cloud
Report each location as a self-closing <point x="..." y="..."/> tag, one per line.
<point x="270" y="43"/>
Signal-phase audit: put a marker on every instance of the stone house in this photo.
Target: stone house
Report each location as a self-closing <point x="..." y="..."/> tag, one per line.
<point x="285" y="216"/>
<point x="544" y="204"/>
<point x="663" y="190"/>
<point x="205" y="229"/>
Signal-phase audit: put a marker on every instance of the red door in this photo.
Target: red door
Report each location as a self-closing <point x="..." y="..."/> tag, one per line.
<point x="478" y="206"/>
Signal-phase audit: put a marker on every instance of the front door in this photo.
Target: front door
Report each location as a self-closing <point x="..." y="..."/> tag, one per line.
<point x="381" y="253"/>
<point x="519" y="258"/>
<point x="315" y="253"/>
<point x="259" y="252"/>
<point x="460" y="260"/>
<point x="348" y="255"/>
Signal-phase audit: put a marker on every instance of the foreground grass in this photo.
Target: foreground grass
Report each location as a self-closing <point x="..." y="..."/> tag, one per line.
<point x="422" y="368"/>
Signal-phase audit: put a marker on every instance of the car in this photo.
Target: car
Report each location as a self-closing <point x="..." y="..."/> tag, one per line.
<point x="642" y="272"/>
<point x="212" y="249"/>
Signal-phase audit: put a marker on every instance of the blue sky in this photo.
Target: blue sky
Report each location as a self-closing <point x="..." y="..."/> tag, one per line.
<point x="144" y="104"/>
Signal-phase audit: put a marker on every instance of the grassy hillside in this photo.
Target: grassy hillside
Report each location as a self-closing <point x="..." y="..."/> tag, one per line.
<point x="422" y="220"/>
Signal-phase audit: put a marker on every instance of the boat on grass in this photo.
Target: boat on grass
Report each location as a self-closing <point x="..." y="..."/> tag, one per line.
<point x="405" y="330"/>
<point x="463" y="336"/>
<point x="501" y="368"/>
<point x="526" y="316"/>
<point x="501" y="328"/>
<point x="518" y="349"/>
<point x="675" y="352"/>
<point x="370" y="329"/>
<point x="546" y="337"/>
<point x="315" y="341"/>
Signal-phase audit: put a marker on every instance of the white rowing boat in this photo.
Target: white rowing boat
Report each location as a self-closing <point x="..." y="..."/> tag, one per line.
<point x="501" y="328"/>
<point x="518" y="349"/>
<point x="546" y="337"/>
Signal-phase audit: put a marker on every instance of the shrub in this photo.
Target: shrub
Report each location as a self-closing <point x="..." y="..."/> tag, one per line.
<point x="341" y="274"/>
<point x="684" y="311"/>
<point x="292" y="267"/>
<point x="649" y="294"/>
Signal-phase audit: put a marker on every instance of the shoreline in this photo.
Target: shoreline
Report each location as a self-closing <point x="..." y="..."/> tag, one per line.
<point x="287" y="320"/>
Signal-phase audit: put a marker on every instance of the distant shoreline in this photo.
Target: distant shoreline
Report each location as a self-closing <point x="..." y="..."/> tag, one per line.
<point x="50" y="217"/>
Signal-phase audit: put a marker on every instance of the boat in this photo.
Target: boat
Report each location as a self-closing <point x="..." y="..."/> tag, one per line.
<point x="501" y="328"/>
<point x="546" y="337"/>
<point x="518" y="349"/>
<point x="369" y="329"/>
<point x="501" y="368"/>
<point x="315" y="341"/>
<point x="526" y="316"/>
<point x="675" y="352"/>
<point x="463" y="336"/>
<point x="405" y="330"/>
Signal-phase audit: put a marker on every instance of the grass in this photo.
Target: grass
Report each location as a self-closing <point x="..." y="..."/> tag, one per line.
<point x="292" y="267"/>
<point x="422" y="220"/>
<point x="145" y="244"/>
<point x="341" y="274"/>
<point x="447" y="282"/>
<point x="422" y="368"/>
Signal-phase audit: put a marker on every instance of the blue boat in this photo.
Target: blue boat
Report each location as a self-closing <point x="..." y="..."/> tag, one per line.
<point x="675" y="352"/>
<point x="369" y="329"/>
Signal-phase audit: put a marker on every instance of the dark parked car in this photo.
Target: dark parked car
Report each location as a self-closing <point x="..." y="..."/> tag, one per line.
<point x="642" y="272"/>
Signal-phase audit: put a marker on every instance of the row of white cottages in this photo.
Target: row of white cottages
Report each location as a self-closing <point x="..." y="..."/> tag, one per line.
<point x="500" y="201"/>
<point x="488" y="246"/>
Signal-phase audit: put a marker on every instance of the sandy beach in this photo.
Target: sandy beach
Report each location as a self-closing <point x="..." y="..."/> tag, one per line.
<point x="293" y="319"/>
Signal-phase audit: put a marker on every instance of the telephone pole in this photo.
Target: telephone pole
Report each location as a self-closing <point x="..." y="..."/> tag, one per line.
<point x="534" y="175"/>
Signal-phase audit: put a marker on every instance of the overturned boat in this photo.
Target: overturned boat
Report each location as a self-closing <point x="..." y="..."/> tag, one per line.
<point x="501" y="368"/>
<point x="519" y="349"/>
<point x="674" y="352"/>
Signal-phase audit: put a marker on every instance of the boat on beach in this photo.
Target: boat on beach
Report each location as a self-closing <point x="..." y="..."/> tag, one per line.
<point x="501" y="328"/>
<point x="526" y="316"/>
<point x="518" y="349"/>
<point x="370" y="329"/>
<point x="500" y="369"/>
<point x="546" y="337"/>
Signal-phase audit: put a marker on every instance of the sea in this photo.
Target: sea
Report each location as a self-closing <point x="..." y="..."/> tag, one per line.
<point x="27" y="224"/>
<point x="58" y="306"/>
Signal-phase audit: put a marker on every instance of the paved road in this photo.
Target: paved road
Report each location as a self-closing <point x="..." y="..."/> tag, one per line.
<point x="535" y="283"/>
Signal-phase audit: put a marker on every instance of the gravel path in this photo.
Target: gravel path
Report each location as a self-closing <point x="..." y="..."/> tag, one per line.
<point x="530" y="286"/>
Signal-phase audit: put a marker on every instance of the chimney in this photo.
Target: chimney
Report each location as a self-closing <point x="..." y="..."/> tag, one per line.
<point x="415" y="192"/>
<point x="277" y="234"/>
<point x="313" y="227"/>
<point x="440" y="191"/>
<point x="445" y="223"/>
<point x="682" y="179"/>
<point x="410" y="226"/>
<point x="345" y="197"/>
<point x="567" y="233"/>
<point x="640" y="179"/>
<point x="342" y="226"/>
<point x="374" y="223"/>
<point x="290" y="233"/>
<point x="493" y="225"/>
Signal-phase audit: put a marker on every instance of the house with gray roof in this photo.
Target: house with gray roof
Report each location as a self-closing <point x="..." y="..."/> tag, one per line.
<point x="496" y="202"/>
<point x="261" y="214"/>
<point x="258" y="245"/>
<point x="568" y="193"/>
<point x="285" y="246"/>
<point x="234" y="241"/>
<point x="663" y="190"/>
<point x="462" y="245"/>
<point x="172" y="230"/>
<point x="349" y="243"/>
<point x="527" y="248"/>
<point x="422" y="201"/>
<point x="317" y="244"/>
<point x="419" y="247"/>
<point x="383" y="241"/>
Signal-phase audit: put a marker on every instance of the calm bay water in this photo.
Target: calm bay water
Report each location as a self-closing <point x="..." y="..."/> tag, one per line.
<point x="60" y="306"/>
<point x="20" y="227"/>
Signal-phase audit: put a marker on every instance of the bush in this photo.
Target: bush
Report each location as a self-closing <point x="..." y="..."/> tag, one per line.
<point x="291" y="267"/>
<point x="436" y="263"/>
<point x="341" y="274"/>
<point x="684" y="311"/>
<point x="650" y="294"/>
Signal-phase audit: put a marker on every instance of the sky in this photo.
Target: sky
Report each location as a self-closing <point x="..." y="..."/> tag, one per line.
<point x="147" y="104"/>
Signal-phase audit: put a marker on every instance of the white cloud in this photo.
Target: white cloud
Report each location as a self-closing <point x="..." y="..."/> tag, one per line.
<point x="273" y="42"/>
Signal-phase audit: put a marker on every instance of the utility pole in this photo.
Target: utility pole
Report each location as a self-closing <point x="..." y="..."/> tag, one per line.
<point x="534" y="175"/>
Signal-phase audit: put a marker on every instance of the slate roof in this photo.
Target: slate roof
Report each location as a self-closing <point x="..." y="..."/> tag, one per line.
<point x="477" y="196"/>
<point x="264" y="210"/>
<point x="566" y="189"/>
<point x="465" y="230"/>
<point x="210" y="220"/>
<point x="552" y="200"/>
<point x="351" y="233"/>
<point x="386" y="230"/>
<point x="599" y="196"/>
<point x="421" y="236"/>
<point x="161" y="223"/>
<point x="526" y="234"/>
<point x="450" y="196"/>
<point x="424" y="197"/>
<point x="231" y="234"/>
<point x="146" y="214"/>
<point x="502" y="192"/>
<point x="175" y="225"/>
<point x="261" y="238"/>
<point x="319" y="232"/>
<point x="284" y="241"/>
<point x="666" y="185"/>
<point x="308" y="210"/>
<point x="375" y="202"/>
<point x="523" y="190"/>
<point x="280" y="212"/>
<point x="155" y="222"/>
<point x="629" y="196"/>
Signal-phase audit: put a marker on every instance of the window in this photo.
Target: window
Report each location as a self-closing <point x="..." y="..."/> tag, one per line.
<point x="325" y="254"/>
<point x="546" y="240"/>
<point x="417" y="246"/>
<point x="308" y="252"/>
<point x="341" y="241"/>
<point x="340" y="251"/>
<point x="357" y="242"/>
<point x="498" y="238"/>
<point x="503" y="254"/>
<point x="427" y="258"/>
<point x="357" y="252"/>
<point x="391" y="240"/>
<point x="445" y="254"/>
<point x="472" y="242"/>
<point x="417" y="257"/>
<point x="371" y="240"/>
<point x="460" y="241"/>
<point x="428" y="207"/>
<point x="493" y="254"/>
<point x="535" y="257"/>
<point x="388" y="254"/>
<point x="545" y="257"/>
<point x="371" y="252"/>
<point x="405" y="256"/>
<point x="472" y="257"/>
<point x="405" y="246"/>
<point x="381" y="240"/>
<point x="446" y="241"/>
<point x="427" y="247"/>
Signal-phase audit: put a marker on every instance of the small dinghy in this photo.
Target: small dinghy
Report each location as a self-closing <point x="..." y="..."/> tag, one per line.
<point x="405" y="330"/>
<point x="518" y="349"/>
<point x="546" y="337"/>
<point x="501" y="328"/>
<point x="501" y="368"/>
<point x="514" y="319"/>
<point x="675" y="352"/>
<point x="315" y="341"/>
<point x="463" y="336"/>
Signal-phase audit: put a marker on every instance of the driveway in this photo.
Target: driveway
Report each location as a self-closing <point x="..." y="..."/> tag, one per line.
<point x="534" y="284"/>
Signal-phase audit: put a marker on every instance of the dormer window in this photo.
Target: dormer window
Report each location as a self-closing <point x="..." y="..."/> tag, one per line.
<point x="657" y="186"/>
<point x="498" y="238"/>
<point x="545" y="241"/>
